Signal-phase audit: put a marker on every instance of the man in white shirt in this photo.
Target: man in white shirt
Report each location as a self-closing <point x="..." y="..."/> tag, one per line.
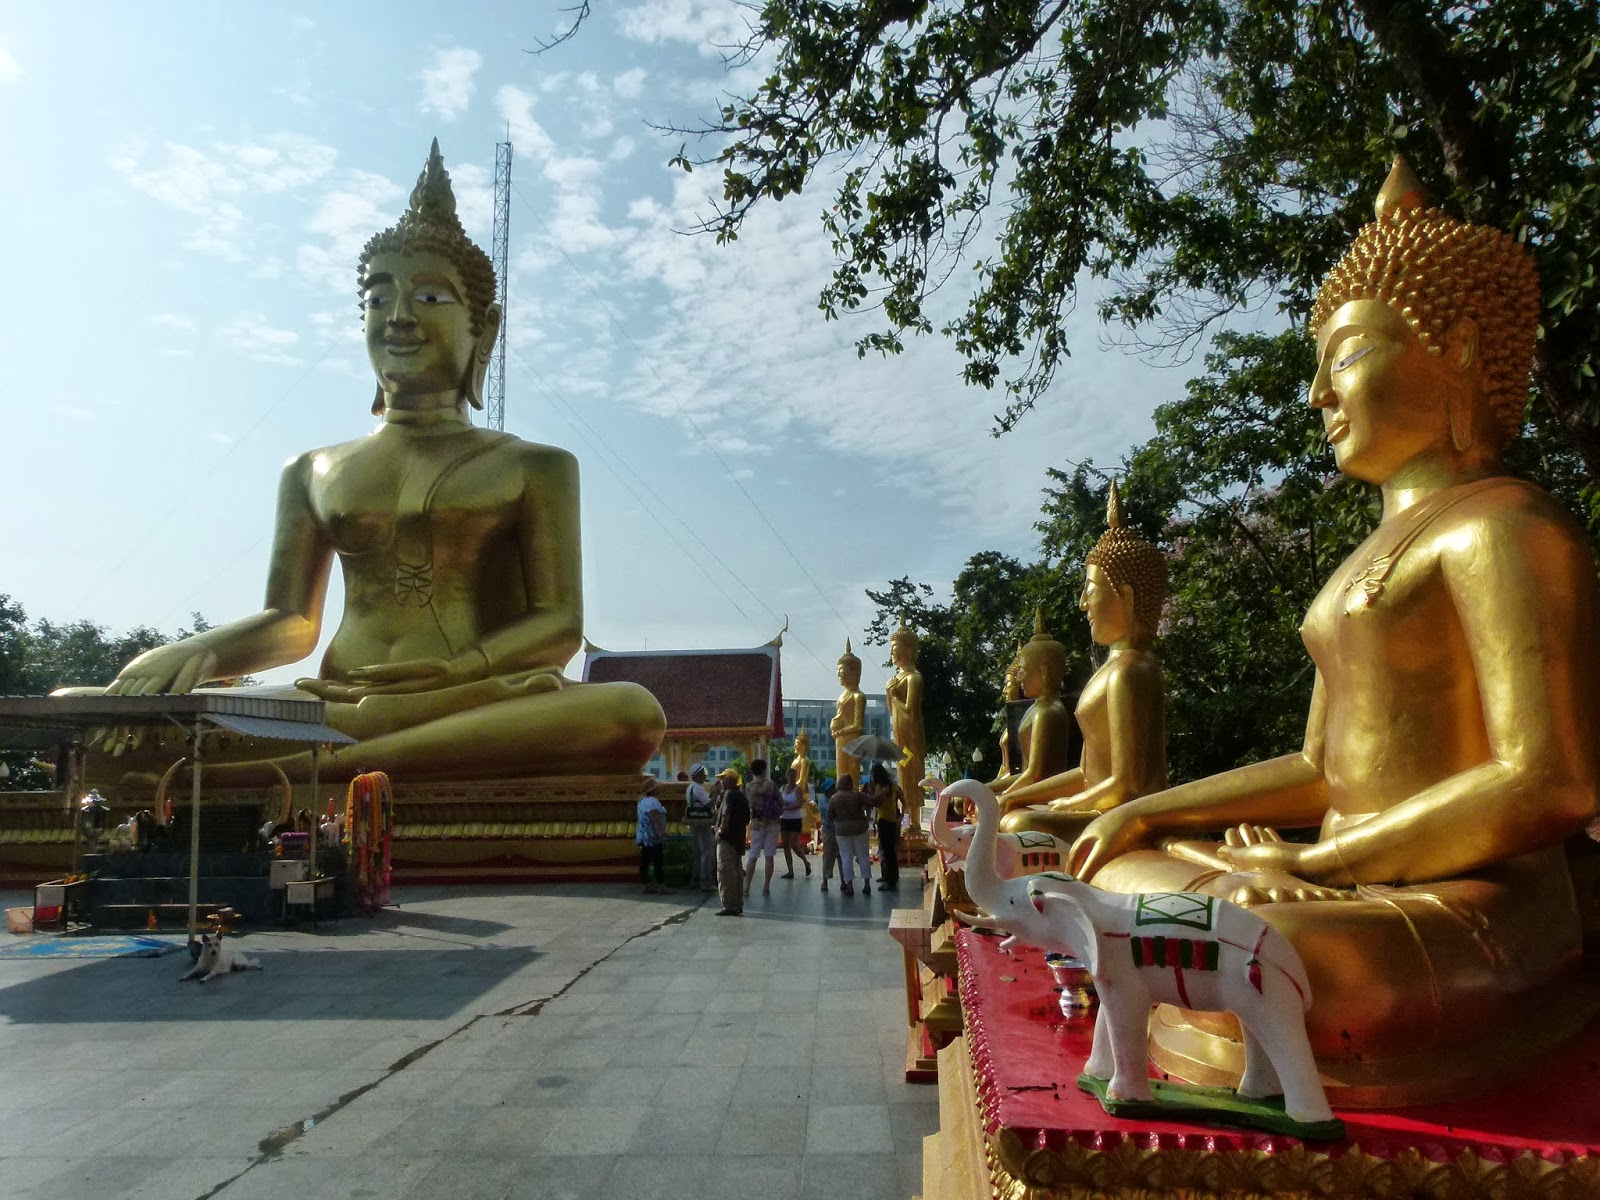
<point x="702" y="827"/>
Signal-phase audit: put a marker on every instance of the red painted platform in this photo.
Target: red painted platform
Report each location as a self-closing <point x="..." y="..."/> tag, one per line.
<point x="1026" y="1058"/>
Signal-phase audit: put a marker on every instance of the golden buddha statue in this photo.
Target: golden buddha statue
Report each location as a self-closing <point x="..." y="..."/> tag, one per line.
<point x="460" y="552"/>
<point x="904" y="695"/>
<point x="1123" y="709"/>
<point x="1451" y="743"/>
<point x="1046" y="729"/>
<point x="1010" y="693"/>
<point x="849" y="715"/>
<point x="802" y="763"/>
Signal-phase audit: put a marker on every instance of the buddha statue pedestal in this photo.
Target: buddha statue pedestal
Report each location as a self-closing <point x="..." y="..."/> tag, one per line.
<point x="1012" y="1122"/>
<point x="927" y="940"/>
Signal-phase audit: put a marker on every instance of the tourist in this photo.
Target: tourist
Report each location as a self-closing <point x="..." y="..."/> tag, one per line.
<point x="766" y="810"/>
<point x="790" y="822"/>
<point x="651" y="835"/>
<point x="733" y="816"/>
<point x="698" y="812"/>
<point x="848" y="809"/>
<point x="888" y="801"/>
<point x="830" y="843"/>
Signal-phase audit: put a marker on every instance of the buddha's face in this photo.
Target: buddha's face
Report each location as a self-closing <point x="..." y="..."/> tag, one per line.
<point x="1034" y="674"/>
<point x="850" y="674"/>
<point x="1109" y="613"/>
<point x="1381" y="394"/>
<point x="903" y="651"/>
<point x="419" y="332"/>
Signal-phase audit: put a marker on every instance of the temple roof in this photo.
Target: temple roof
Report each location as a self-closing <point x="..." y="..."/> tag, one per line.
<point x="701" y="690"/>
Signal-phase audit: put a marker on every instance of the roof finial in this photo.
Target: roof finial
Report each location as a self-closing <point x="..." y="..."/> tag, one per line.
<point x="1401" y="192"/>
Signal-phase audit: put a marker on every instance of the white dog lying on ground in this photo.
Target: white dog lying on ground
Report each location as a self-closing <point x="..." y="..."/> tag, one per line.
<point x="218" y="958"/>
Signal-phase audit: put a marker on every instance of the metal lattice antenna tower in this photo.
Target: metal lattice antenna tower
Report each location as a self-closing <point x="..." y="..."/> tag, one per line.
<point x="500" y="253"/>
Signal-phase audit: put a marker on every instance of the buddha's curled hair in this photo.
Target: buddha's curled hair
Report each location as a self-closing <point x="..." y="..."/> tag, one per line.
<point x="1127" y="559"/>
<point x="430" y="225"/>
<point x="1433" y="270"/>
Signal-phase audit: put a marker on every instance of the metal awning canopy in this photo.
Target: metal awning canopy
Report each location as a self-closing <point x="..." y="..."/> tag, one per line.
<point x="38" y="722"/>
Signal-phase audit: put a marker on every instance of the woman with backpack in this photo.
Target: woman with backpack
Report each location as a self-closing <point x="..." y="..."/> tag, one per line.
<point x="791" y="821"/>
<point x="766" y="811"/>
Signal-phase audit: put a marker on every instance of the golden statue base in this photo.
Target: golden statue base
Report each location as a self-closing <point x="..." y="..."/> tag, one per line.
<point x="571" y="827"/>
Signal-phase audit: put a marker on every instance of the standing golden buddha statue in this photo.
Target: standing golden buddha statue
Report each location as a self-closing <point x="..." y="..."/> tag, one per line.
<point x="460" y="550"/>
<point x="1046" y="729"/>
<point x="1451" y="743"/>
<point x="849" y="716"/>
<point x="1123" y="710"/>
<point x="802" y="763"/>
<point x="904" y="695"/>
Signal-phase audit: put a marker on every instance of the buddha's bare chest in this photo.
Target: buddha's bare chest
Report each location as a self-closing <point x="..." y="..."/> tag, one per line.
<point x="1384" y="610"/>
<point x="405" y="501"/>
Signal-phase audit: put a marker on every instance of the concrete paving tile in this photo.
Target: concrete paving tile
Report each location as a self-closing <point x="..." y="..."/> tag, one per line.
<point x="769" y="1177"/>
<point x="705" y="1088"/>
<point x="348" y="1133"/>
<point x="846" y="1083"/>
<point x="764" y="1084"/>
<point x="473" y="1178"/>
<point x="685" y="1129"/>
<point x="657" y="1051"/>
<point x="848" y="1129"/>
<point x="653" y="1178"/>
<point x="579" y="1052"/>
<point x="185" y="1177"/>
<point x="775" y="1050"/>
<point x="592" y="1129"/>
<point x="714" y="1052"/>
<point x="89" y="1175"/>
<point x="763" y="1129"/>
<point x="830" y="1176"/>
<point x="562" y="1177"/>
<point x="477" y="1089"/>
<point x="20" y="1174"/>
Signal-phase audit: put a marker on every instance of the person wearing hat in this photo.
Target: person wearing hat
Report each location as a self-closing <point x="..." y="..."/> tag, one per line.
<point x="652" y="838"/>
<point x="733" y="820"/>
<point x="702" y="821"/>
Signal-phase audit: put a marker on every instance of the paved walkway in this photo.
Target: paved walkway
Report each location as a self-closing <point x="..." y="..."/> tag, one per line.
<point x="553" y="1042"/>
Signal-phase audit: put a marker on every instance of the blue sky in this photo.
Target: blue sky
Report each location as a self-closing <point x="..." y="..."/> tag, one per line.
<point x="188" y="186"/>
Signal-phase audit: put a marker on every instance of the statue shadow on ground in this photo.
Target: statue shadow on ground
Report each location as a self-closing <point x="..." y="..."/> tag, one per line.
<point x="311" y="984"/>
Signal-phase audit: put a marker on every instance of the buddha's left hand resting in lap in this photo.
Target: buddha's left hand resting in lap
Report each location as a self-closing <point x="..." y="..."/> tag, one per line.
<point x="459" y="547"/>
<point x="1451" y="743"/>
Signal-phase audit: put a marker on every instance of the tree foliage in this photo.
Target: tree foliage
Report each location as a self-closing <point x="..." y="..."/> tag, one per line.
<point x="40" y="656"/>
<point x="1197" y="156"/>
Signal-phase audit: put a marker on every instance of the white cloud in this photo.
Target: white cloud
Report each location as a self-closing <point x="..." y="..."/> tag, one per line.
<point x="708" y="25"/>
<point x="173" y="321"/>
<point x="629" y="84"/>
<point x="358" y="206"/>
<point x="622" y="148"/>
<point x="10" y="68"/>
<point x="515" y="106"/>
<point x="211" y="185"/>
<point x="253" y="336"/>
<point x="448" y="82"/>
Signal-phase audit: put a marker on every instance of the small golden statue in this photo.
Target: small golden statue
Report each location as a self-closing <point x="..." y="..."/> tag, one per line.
<point x="802" y="763"/>
<point x="1451" y="744"/>
<point x="1046" y="729"/>
<point x="904" y="695"/>
<point x="459" y="547"/>
<point x="1123" y="710"/>
<point x="849" y="715"/>
<point x="1010" y="693"/>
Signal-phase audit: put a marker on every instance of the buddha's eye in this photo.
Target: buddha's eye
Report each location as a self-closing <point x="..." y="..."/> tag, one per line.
<point x="435" y="298"/>
<point x="1354" y="356"/>
<point x="374" y="299"/>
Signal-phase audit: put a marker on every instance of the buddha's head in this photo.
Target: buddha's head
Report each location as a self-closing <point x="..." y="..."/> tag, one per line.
<point x="1425" y="333"/>
<point x="849" y="668"/>
<point x="427" y="295"/>
<point x="1013" y="683"/>
<point x="802" y="744"/>
<point x="1042" y="661"/>
<point x="903" y="645"/>
<point x="1125" y="584"/>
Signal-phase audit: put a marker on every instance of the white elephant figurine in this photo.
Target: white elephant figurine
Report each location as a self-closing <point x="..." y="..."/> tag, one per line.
<point x="1183" y="948"/>
<point x="1015" y="854"/>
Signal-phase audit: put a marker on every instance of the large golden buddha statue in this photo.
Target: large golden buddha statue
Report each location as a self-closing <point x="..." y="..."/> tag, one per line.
<point x="1046" y="728"/>
<point x="849" y="715"/>
<point x="459" y="547"/>
<point x="1123" y="709"/>
<point x="1451" y="744"/>
<point x="903" y="694"/>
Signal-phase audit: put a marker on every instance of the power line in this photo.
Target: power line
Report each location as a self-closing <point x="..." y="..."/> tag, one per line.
<point x="575" y="419"/>
<point x="694" y="425"/>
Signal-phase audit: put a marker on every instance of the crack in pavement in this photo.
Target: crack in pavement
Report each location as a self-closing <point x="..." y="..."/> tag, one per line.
<point x="273" y="1145"/>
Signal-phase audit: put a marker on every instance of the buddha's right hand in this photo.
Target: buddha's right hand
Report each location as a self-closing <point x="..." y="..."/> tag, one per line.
<point x="1109" y="836"/>
<point x="173" y="668"/>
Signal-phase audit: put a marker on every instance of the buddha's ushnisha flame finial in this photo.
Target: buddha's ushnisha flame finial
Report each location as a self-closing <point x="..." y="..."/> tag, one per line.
<point x="1114" y="508"/>
<point x="1401" y="192"/>
<point x="1038" y="622"/>
<point x="847" y="645"/>
<point x="432" y="199"/>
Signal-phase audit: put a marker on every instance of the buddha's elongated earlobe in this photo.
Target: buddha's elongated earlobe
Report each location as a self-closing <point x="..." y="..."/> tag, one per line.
<point x="482" y="351"/>
<point x="1460" y="356"/>
<point x="377" y="401"/>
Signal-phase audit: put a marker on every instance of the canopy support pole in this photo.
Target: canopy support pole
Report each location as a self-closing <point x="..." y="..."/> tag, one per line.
<point x="194" y="837"/>
<point x="316" y="820"/>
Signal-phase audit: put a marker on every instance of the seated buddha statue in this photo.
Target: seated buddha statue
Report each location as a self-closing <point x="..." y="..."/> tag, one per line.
<point x="1122" y="711"/>
<point x="1045" y="731"/>
<point x="1010" y="693"/>
<point x="849" y="715"/>
<point x="1451" y="743"/>
<point x="459" y="548"/>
